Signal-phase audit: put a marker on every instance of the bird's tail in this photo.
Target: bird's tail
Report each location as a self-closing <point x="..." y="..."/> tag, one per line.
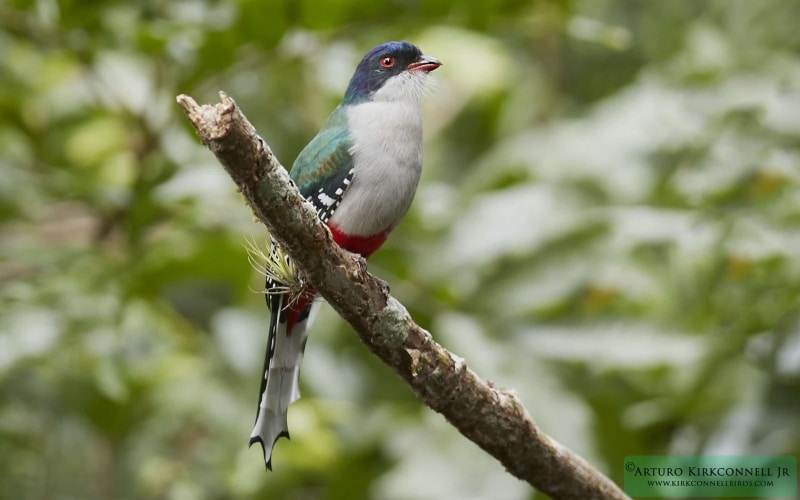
<point x="288" y="332"/>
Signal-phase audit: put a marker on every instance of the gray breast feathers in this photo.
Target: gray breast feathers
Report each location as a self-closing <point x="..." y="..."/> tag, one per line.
<point x="387" y="157"/>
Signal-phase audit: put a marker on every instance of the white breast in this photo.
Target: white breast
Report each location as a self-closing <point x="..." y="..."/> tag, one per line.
<point x="387" y="154"/>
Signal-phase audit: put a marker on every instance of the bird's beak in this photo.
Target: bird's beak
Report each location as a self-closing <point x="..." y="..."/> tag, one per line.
<point x="425" y="63"/>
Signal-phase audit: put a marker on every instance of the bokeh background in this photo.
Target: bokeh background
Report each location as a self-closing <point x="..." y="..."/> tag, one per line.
<point x="608" y="223"/>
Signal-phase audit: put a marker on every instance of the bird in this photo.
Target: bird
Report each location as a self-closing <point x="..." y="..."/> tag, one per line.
<point x="360" y="172"/>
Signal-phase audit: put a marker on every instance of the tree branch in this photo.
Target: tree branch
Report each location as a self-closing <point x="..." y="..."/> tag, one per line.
<point x="491" y="417"/>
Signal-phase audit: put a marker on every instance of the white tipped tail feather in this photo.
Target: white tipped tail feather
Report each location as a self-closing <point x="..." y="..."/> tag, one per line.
<point x="280" y="386"/>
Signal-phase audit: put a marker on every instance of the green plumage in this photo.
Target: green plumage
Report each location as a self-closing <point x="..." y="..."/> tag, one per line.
<point x="326" y="161"/>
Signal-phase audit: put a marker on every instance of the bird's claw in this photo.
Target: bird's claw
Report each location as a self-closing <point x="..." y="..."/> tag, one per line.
<point x="384" y="286"/>
<point x="362" y="263"/>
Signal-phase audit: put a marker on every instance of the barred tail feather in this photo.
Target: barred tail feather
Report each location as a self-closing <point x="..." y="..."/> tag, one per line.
<point x="280" y="386"/>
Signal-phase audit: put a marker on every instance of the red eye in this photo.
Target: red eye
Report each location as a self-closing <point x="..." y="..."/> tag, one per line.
<point x="387" y="62"/>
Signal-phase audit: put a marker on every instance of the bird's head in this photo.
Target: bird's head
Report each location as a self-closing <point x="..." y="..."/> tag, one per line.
<point x="392" y="71"/>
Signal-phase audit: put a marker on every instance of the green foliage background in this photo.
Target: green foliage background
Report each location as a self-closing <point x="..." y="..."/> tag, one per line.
<point x="609" y="223"/>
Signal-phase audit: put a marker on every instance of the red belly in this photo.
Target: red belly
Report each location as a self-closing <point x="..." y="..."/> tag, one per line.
<point x="362" y="245"/>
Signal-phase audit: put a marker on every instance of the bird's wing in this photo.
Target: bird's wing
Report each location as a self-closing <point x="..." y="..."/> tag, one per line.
<point x="324" y="169"/>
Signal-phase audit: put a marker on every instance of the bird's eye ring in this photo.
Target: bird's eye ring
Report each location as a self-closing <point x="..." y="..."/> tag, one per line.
<point x="387" y="62"/>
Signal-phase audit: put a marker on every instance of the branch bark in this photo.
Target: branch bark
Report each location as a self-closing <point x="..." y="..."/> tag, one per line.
<point x="491" y="417"/>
